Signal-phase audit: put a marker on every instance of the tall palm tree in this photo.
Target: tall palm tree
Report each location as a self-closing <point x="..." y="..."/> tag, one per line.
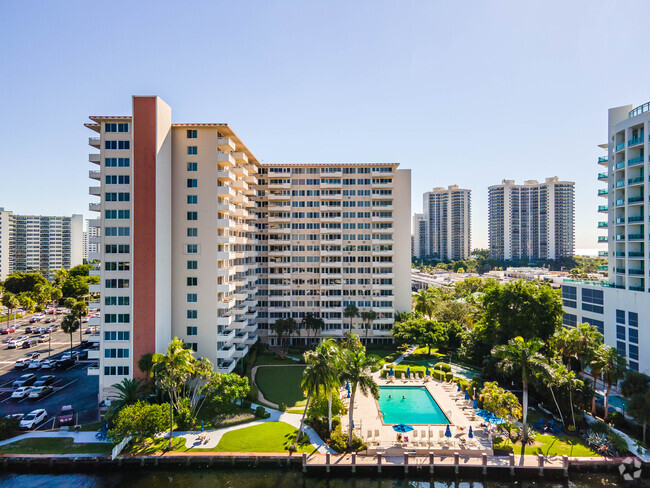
<point x="318" y="375"/>
<point x="283" y="327"/>
<point x="552" y="375"/>
<point x="357" y="369"/>
<point x="425" y="302"/>
<point x="524" y="357"/>
<point x="128" y="392"/>
<point x="588" y="340"/>
<point x="566" y="342"/>
<point x="10" y="301"/>
<point x="331" y="351"/>
<point x="614" y="366"/>
<point x="55" y="296"/>
<point x="69" y="325"/>
<point x="312" y="322"/>
<point x="350" y="312"/>
<point x="171" y="370"/>
<point x="596" y="366"/>
<point x="80" y="309"/>
<point x="368" y="318"/>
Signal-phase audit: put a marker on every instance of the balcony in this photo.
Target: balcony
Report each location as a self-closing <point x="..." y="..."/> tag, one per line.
<point x="226" y="224"/>
<point x="637" y="218"/>
<point x="602" y="225"/>
<point x="619" y="202"/>
<point x="95" y="272"/>
<point x="619" y="237"/>
<point x="240" y="157"/>
<point x="226" y="288"/>
<point x="620" y="165"/>
<point x="226" y="192"/>
<point x="94" y="222"/>
<point x="635" y="254"/>
<point x="602" y="267"/>
<point x="620" y="220"/>
<point x="635" y="141"/>
<point x="603" y="208"/>
<point x="603" y="176"/>
<point x="94" y="142"/>
<point x="225" y="321"/>
<point x="226" y="144"/>
<point x="93" y="371"/>
<point x="95" y="158"/>
<point x="619" y="254"/>
<point x="603" y="254"/>
<point x="225" y="352"/>
<point x="94" y="207"/>
<point x="634" y="237"/>
<point x="619" y="270"/>
<point x="225" y="175"/>
<point x="620" y="147"/>
<point x="635" y="200"/>
<point x="225" y="335"/>
<point x="636" y="272"/>
<point x="225" y="159"/>
<point x="94" y="288"/>
<point x="94" y="174"/>
<point x="93" y="354"/>
<point x="602" y="193"/>
<point x="636" y="288"/>
<point x="619" y="184"/>
<point x="224" y="367"/>
<point x="635" y="161"/>
<point x="635" y="181"/>
<point x="603" y="161"/>
<point x="94" y="190"/>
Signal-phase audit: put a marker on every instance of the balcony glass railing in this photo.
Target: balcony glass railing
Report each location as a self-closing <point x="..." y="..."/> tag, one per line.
<point x="638" y="179"/>
<point x="636" y="271"/>
<point x="636" y="140"/>
<point x="620" y="270"/>
<point x="620" y="165"/>
<point x="637" y="288"/>
<point x="635" y="254"/>
<point x="602" y="238"/>
<point x="633" y="161"/>
<point x="634" y="199"/>
<point x="602" y="254"/>
<point x="602" y="192"/>
<point x="602" y="160"/>
<point x="602" y="176"/>
<point x="620" y="220"/>
<point x="635" y="236"/>
<point x="638" y="218"/>
<point x="602" y="208"/>
<point x="619" y="254"/>
<point x="620" y="147"/>
<point x="602" y="267"/>
<point x="620" y="201"/>
<point x="602" y="225"/>
<point x="619" y="184"/>
<point x="619" y="237"/>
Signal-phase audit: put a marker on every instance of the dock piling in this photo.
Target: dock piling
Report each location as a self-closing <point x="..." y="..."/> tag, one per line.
<point x="304" y="462"/>
<point x="431" y="462"/>
<point x="327" y="462"/>
<point x="540" y="464"/>
<point x="565" y="466"/>
<point x="354" y="462"/>
<point x="379" y="462"/>
<point x="484" y="462"/>
<point x="406" y="463"/>
<point x="456" y="463"/>
<point x="511" y="462"/>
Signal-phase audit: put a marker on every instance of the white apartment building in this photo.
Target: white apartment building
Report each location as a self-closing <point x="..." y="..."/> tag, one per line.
<point x="331" y="235"/>
<point x="447" y="216"/>
<point x="39" y="242"/>
<point x="534" y="220"/>
<point x="91" y="240"/>
<point x="620" y="307"/>
<point x="419" y="237"/>
<point x="194" y="246"/>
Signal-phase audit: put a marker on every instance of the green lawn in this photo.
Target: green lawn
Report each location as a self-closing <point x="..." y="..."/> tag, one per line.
<point x="559" y="446"/>
<point x="267" y="357"/>
<point x="59" y="445"/>
<point x="267" y="437"/>
<point x="281" y="385"/>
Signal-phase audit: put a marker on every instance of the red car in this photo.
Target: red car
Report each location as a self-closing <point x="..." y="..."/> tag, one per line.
<point x="66" y="415"/>
<point x="8" y="330"/>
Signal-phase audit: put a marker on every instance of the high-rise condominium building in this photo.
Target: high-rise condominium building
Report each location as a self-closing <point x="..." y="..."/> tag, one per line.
<point x="91" y="240"/>
<point x="201" y="242"/>
<point x="620" y="307"/>
<point x="332" y="235"/>
<point x="534" y="220"/>
<point x="443" y="230"/>
<point x="38" y="242"/>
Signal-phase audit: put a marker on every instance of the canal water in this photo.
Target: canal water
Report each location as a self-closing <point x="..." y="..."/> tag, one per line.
<point x="264" y="478"/>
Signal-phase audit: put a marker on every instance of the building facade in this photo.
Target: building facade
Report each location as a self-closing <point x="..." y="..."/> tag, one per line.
<point x="620" y="307"/>
<point x="201" y="242"/>
<point x="39" y="242"/>
<point x="534" y="220"/>
<point x="444" y="228"/>
<point x="419" y="237"/>
<point x="91" y="240"/>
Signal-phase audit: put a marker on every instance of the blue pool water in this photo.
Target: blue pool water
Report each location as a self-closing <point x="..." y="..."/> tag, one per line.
<point x="615" y="401"/>
<point x="417" y="406"/>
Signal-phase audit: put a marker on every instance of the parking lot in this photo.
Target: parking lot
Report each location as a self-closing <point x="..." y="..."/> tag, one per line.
<point x="72" y="385"/>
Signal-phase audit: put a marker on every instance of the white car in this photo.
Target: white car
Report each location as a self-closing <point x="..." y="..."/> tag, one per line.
<point x="13" y="344"/>
<point x="21" y="392"/>
<point x="47" y="364"/>
<point x="35" y="364"/>
<point x="33" y="419"/>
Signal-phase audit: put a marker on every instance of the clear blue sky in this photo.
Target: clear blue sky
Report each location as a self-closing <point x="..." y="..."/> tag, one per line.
<point x="460" y="95"/>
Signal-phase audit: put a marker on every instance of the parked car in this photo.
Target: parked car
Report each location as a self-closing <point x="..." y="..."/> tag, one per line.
<point x="82" y="355"/>
<point x="66" y="415"/>
<point x="64" y="362"/>
<point x="28" y="330"/>
<point x="35" y="364"/>
<point x="42" y="338"/>
<point x="32" y="355"/>
<point x="17" y="416"/>
<point x="29" y="343"/>
<point x="47" y="364"/>
<point x="33" y="419"/>
<point x="39" y="392"/>
<point x="48" y="320"/>
<point x="24" y="380"/>
<point x="22" y="363"/>
<point x="21" y="392"/>
<point x="15" y="343"/>
<point x="45" y="380"/>
<point x="32" y="320"/>
<point x="8" y="330"/>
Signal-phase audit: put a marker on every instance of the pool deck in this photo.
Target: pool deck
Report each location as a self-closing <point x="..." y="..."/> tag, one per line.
<point x="425" y="438"/>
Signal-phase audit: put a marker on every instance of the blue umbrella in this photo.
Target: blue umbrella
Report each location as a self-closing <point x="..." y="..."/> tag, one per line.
<point x="402" y="428"/>
<point x="201" y="425"/>
<point x="470" y="434"/>
<point x="427" y="371"/>
<point x="448" y="431"/>
<point x="391" y="372"/>
<point x="348" y="393"/>
<point x="347" y="385"/>
<point x="496" y="420"/>
<point x="466" y="395"/>
<point x="458" y="386"/>
<point x="408" y="372"/>
<point x="475" y="403"/>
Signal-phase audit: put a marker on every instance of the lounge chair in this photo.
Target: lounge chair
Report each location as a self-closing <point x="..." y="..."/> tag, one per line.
<point x="415" y="437"/>
<point x="423" y="438"/>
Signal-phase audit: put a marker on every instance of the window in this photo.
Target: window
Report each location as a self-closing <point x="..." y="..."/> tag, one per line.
<point x="124" y="127"/>
<point x="192" y="232"/>
<point x="192" y="215"/>
<point x="599" y="324"/>
<point x="192" y="248"/>
<point x="588" y="307"/>
<point x="633" y="335"/>
<point x="116" y="300"/>
<point x="620" y="332"/>
<point x="191" y="345"/>
<point x="116" y="370"/>
<point x="620" y="346"/>
<point x="569" y="320"/>
<point x="633" y="319"/>
<point x="192" y="182"/>
<point x="192" y="331"/>
<point x="191" y="133"/>
<point x="620" y="316"/>
<point x="123" y="162"/>
<point x="192" y="150"/>
<point x="192" y="166"/>
<point x="569" y="296"/>
<point x="117" y="335"/>
<point x="192" y="265"/>
<point x="110" y="127"/>
<point x="592" y="296"/>
<point x="192" y="199"/>
<point x="192" y="281"/>
<point x="116" y="353"/>
<point x="117" y="231"/>
<point x="192" y="314"/>
<point x="117" y="248"/>
<point x="633" y="352"/>
<point x="192" y="298"/>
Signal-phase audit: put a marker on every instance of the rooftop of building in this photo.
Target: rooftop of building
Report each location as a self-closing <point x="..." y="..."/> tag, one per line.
<point x="328" y="164"/>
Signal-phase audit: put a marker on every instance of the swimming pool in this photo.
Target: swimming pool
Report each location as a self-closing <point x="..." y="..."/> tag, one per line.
<point x="409" y="405"/>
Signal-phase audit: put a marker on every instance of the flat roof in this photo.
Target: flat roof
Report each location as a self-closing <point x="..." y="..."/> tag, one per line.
<point x="330" y="164"/>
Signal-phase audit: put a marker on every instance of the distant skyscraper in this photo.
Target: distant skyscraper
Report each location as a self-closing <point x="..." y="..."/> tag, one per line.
<point x="534" y="220"/>
<point x="419" y="238"/>
<point x="37" y="242"/>
<point x="446" y="225"/>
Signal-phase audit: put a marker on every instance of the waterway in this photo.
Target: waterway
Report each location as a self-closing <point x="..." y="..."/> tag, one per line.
<point x="266" y="478"/>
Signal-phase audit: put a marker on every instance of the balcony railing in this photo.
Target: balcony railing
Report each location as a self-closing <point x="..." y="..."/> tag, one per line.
<point x="620" y="270"/>
<point x="619" y="184"/>
<point x="620" y="165"/>
<point x="619" y="254"/>
<point x="634" y="161"/>
<point x="620" y="220"/>
<point x="602" y="160"/>
<point x="632" y="181"/>
<point x="638" y="218"/>
<point x="602" y="225"/>
<point x="602" y="238"/>
<point x="620" y="147"/>
<point x="636" y="140"/>
<point x="634" y="237"/>
<point x="602" y="267"/>
<point x="602" y="193"/>
<point x="634" y="199"/>
<point x="602" y="208"/>
<point x="635" y="254"/>
<point x="619" y="237"/>
<point x="603" y="176"/>
<point x="620" y="201"/>
<point x="603" y="254"/>
<point x="636" y="288"/>
<point x="636" y="272"/>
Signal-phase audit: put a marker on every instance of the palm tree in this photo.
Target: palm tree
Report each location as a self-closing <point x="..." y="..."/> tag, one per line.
<point x="521" y="356"/>
<point x="614" y="366"/>
<point x="80" y="309"/>
<point x="368" y="318"/>
<point x="351" y="342"/>
<point x="317" y="375"/>
<point x="330" y="350"/>
<point x="350" y="312"/>
<point x="10" y="301"/>
<point x="357" y="369"/>
<point x="145" y="364"/>
<point x="129" y="392"/>
<point x="55" y="295"/>
<point x="283" y="327"/>
<point x="588" y="339"/>
<point x="69" y="325"/>
<point x="596" y="366"/>
<point x="552" y="375"/>
<point x="310" y="321"/>
<point x="171" y="370"/>
<point x="425" y="302"/>
<point x="566" y="342"/>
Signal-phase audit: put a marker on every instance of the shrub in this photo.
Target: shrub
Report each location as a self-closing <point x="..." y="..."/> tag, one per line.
<point x="252" y="394"/>
<point x="282" y="407"/>
<point x="184" y="418"/>
<point x="8" y="427"/>
<point x="260" y="411"/>
<point x="140" y="421"/>
<point x="246" y="404"/>
<point x="617" y="419"/>
<point x="449" y="376"/>
<point x="442" y="366"/>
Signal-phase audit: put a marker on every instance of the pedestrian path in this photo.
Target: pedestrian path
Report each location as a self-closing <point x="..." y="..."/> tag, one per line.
<point x="406" y="354"/>
<point x="78" y="437"/>
<point x="213" y="437"/>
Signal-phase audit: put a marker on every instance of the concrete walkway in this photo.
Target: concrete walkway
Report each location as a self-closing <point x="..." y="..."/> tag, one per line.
<point x="406" y="354"/>
<point x="214" y="436"/>
<point x="78" y="437"/>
